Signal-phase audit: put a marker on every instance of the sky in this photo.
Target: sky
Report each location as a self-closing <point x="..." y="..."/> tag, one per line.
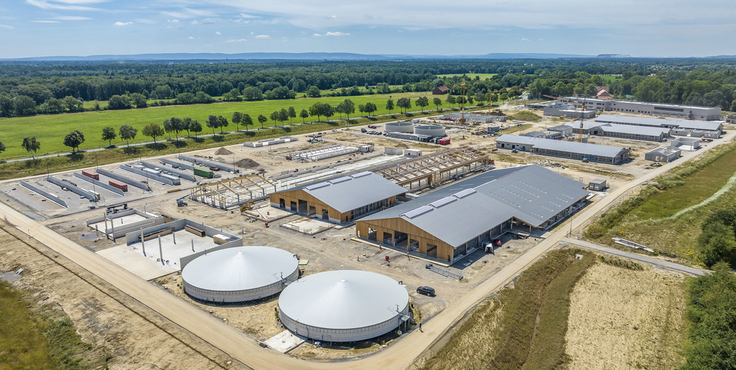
<point x="645" y="28"/>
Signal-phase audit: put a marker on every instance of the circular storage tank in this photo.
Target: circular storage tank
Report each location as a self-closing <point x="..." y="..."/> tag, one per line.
<point x="429" y="130"/>
<point x="406" y="127"/>
<point x="343" y="306"/>
<point x="239" y="274"/>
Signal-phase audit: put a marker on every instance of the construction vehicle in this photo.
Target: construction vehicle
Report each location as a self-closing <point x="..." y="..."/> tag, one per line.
<point x="180" y="201"/>
<point x="247" y="206"/>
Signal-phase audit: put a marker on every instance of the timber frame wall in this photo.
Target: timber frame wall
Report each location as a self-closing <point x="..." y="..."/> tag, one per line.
<point x="319" y="206"/>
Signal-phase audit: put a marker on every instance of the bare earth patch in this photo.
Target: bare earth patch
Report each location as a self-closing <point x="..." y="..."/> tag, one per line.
<point x="623" y="319"/>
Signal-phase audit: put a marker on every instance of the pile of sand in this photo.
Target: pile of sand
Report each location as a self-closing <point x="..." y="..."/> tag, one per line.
<point x="223" y="151"/>
<point x="247" y="163"/>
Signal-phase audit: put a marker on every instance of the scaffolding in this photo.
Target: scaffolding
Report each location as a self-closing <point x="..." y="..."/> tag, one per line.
<point x="233" y="192"/>
<point x="433" y="169"/>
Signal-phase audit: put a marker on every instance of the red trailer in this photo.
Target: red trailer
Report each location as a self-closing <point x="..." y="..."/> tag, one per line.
<point x="119" y="185"/>
<point x="444" y="142"/>
<point x="92" y="175"/>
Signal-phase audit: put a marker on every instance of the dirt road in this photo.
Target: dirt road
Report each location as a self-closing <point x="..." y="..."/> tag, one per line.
<point x="398" y="356"/>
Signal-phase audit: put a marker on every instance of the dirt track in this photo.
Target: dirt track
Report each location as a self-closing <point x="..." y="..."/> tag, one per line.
<point x="398" y="356"/>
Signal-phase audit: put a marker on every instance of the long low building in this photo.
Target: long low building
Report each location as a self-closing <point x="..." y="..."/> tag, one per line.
<point x="453" y="221"/>
<point x="340" y="199"/>
<point x="655" y="109"/>
<point x="621" y="131"/>
<point x="709" y="129"/>
<point x="565" y="149"/>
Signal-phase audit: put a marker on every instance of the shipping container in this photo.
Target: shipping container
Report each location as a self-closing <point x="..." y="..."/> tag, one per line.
<point x="119" y="185"/>
<point x="444" y="142"/>
<point x="92" y="175"/>
<point x="204" y="172"/>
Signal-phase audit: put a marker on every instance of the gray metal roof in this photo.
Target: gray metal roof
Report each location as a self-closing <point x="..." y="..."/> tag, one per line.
<point x="643" y="121"/>
<point x="531" y="193"/>
<point x="239" y="268"/>
<point x="665" y="150"/>
<point x="563" y="146"/>
<point x="347" y="193"/>
<point x="344" y="299"/>
<point x="635" y="130"/>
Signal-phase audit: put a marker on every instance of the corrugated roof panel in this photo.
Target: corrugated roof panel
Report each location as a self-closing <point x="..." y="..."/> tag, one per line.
<point x="418" y="211"/>
<point x="441" y="202"/>
<point x="317" y="185"/>
<point x="361" y="174"/>
<point x="464" y="193"/>
<point x="340" y="179"/>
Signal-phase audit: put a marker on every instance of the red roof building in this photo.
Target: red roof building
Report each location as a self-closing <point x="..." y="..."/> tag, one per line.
<point x="439" y="90"/>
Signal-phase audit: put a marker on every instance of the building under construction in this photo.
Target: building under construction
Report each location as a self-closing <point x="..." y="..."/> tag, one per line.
<point x="454" y="221"/>
<point x="233" y="192"/>
<point x="432" y="169"/>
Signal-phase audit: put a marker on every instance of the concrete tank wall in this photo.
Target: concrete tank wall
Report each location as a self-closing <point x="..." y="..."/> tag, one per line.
<point x="407" y="127"/>
<point x="429" y="130"/>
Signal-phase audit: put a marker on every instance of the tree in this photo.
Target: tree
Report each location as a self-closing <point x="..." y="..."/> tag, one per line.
<point x="348" y="107"/>
<point x="167" y="127"/>
<point x="177" y="125"/>
<point x="283" y="116"/>
<point x="221" y="122"/>
<point x="24" y="106"/>
<point x="237" y="118"/>
<point x="361" y="108"/>
<point x="404" y="103"/>
<point x="262" y="119"/>
<point x="139" y="100"/>
<point x="186" y="124"/>
<point x="72" y="104"/>
<point x="2" y="147"/>
<point x="108" y="133"/>
<point x="195" y="127"/>
<point x="370" y="108"/>
<point x="74" y="139"/>
<point x="437" y="102"/>
<point x="274" y="117"/>
<point x="450" y="100"/>
<point x="316" y="110"/>
<point x="212" y="123"/>
<point x="313" y="92"/>
<point x="128" y="133"/>
<point x="480" y="96"/>
<point x="304" y="114"/>
<point x="292" y="113"/>
<point x="153" y="130"/>
<point x="247" y="121"/>
<point x="31" y="145"/>
<point x="389" y="105"/>
<point x="252" y="93"/>
<point x="422" y="102"/>
<point x="327" y="110"/>
<point x="118" y="102"/>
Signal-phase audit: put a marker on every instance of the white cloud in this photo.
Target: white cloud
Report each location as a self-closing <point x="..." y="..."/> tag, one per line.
<point x="211" y="20"/>
<point x="218" y="33"/>
<point x="332" y="34"/>
<point x="172" y="21"/>
<point x="191" y="38"/>
<point x="188" y="13"/>
<point x="240" y="20"/>
<point x="233" y="40"/>
<point x="120" y="24"/>
<point x="6" y="26"/>
<point x="525" y="39"/>
<point x="71" y="18"/>
<point x="61" y="4"/>
<point x="252" y="33"/>
<point x="243" y="15"/>
<point x="46" y="21"/>
<point x="263" y="37"/>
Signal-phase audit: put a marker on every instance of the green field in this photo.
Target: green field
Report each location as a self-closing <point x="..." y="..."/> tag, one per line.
<point x="51" y="129"/>
<point x="610" y="79"/>
<point x="483" y="76"/>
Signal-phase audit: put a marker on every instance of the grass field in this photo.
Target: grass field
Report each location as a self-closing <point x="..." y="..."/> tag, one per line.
<point x="483" y="76"/>
<point x="40" y="338"/>
<point x="525" y="327"/>
<point x="51" y="129"/>
<point x="610" y="79"/>
<point x="648" y="217"/>
<point x="526" y="115"/>
<point x="626" y="319"/>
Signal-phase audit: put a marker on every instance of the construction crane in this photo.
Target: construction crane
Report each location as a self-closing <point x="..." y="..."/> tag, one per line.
<point x="582" y="120"/>
<point x="462" y="106"/>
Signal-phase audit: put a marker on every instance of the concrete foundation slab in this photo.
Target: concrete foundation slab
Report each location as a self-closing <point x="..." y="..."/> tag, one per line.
<point x="309" y="226"/>
<point x="120" y="221"/>
<point x="268" y="213"/>
<point x="284" y="341"/>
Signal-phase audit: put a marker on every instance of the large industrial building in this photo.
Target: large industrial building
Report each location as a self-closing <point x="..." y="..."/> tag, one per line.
<point x="559" y="109"/>
<point x="679" y="127"/>
<point x="565" y="149"/>
<point x="343" y="306"/>
<point x="453" y="221"/>
<point x="620" y="131"/>
<point x="239" y="274"/>
<point x="340" y="199"/>
<point x="655" y="109"/>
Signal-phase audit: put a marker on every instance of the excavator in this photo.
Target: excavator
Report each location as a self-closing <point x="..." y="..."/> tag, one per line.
<point x="247" y="206"/>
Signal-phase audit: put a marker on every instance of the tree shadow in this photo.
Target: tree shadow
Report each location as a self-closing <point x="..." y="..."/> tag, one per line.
<point x="409" y="115"/>
<point x="249" y="133"/>
<point x="32" y="163"/>
<point x="156" y="146"/>
<point x="180" y="144"/>
<point x="218" y="138"/>
<point x="287" y="129"/>
<point x="131" y="150"/>
<point x="372" y="118"/>
<point x="75" y="157"/>
<point x="198" y="140"/>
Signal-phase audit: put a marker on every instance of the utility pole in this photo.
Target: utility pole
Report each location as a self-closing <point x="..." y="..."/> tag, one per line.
<point x="462" y="106"/>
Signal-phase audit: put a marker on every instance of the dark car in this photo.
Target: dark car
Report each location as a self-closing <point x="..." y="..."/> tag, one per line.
<point x="426" y="290"/>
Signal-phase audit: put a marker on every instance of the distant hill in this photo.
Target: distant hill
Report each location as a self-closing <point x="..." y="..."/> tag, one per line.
<point x="614" y="56"/>
<point x="285" y="56"/>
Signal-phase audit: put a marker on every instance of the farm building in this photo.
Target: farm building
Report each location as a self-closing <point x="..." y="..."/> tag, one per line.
<point x="454" y="221"/>
<point x="344" y="306"/>
<point x="706" y="129"/>
<point x="686" y="143"/>
<point x="597" y="184"/>
<point x="565" y="149"/>
<point x="239" y="274"/>
<point x="340" y="199"/>
<point x="621" y="131"/>
<point x="663" y="154"/>
<point x="654" y="109"/>
<point x="559" y="109"/>
<point x="439" y="90"/>
<point x="564" y="130"/>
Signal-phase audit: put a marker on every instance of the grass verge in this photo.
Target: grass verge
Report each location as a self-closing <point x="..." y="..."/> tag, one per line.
<point x="41" y="338"/>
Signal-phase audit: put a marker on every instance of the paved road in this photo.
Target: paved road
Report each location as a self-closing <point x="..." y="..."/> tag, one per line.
<point x="637" y="257"/>
<point x="399" y="355"/>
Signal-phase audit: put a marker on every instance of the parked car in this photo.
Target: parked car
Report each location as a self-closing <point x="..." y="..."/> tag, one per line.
<point x="426" y="290"/>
